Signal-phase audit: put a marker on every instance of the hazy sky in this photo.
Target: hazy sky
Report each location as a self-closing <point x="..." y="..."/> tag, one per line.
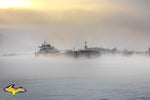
<point x="24" y="24"/>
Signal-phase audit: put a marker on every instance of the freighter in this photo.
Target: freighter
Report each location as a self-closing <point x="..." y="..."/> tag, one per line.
<point x="47" y="49"/>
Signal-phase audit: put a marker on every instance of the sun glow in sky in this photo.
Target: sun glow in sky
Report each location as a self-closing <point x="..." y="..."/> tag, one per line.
<point x="13" y="3"/>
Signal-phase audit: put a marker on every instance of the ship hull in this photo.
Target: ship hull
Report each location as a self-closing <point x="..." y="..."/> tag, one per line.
<point x="84" y="54"/>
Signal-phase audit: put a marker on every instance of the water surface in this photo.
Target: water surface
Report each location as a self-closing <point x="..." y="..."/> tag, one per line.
<point x="103" y="78"/>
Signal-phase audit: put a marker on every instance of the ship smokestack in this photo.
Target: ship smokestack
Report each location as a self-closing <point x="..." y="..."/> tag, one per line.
<point x="85" y="45"/>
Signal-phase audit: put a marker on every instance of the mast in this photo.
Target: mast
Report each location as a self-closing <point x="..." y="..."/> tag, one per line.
<point x="149" y="51"/>
<point x="85" y="47"/>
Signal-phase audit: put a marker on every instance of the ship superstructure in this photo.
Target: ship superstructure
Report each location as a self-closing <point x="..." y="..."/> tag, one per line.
<point x="46" y="48"/>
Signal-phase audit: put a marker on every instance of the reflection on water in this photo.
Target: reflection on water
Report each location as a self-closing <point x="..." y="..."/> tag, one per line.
<point x="104" y="78"/>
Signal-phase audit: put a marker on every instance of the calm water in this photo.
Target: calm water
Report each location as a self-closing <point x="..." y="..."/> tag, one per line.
<point x="104" y="78"/>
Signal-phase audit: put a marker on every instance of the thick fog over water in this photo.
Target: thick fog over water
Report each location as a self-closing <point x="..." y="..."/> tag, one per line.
<point x="109" y="27"/>
<point x="104" y="78"/>
<point x="47" y="67"/>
